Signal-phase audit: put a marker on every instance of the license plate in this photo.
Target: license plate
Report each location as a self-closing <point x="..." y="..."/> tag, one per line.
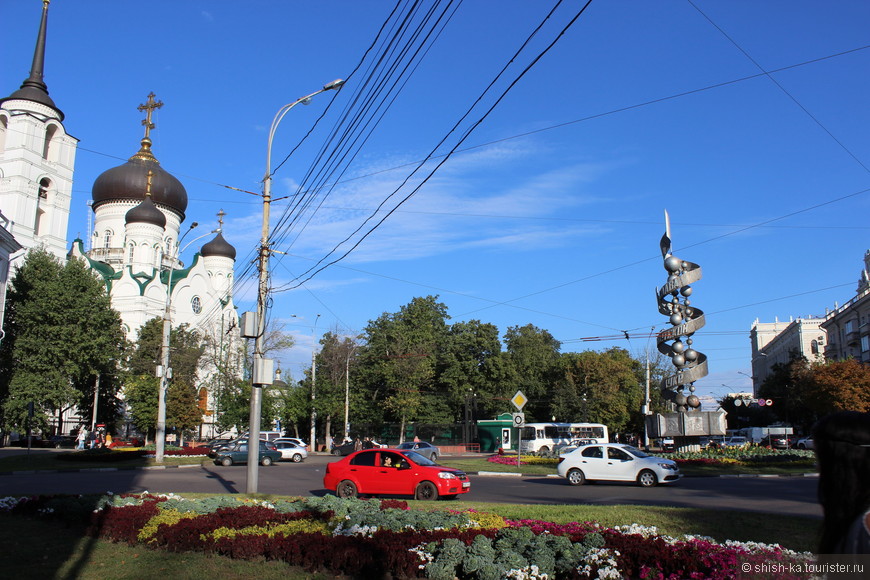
<point x="466" y="484"/>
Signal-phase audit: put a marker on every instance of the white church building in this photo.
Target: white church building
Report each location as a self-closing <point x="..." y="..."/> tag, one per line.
<point x="139" y="220"/>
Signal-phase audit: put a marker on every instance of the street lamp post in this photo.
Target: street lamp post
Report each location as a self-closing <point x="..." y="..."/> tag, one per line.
<point x="347" y="393"/>
<point x="260" y="363"/>
<point x="164" y="371"/>
<point x="314" y="386"/>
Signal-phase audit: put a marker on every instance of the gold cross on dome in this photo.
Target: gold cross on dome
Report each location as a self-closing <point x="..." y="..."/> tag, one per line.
<point x="221" y="215"/>
<point x="149" y="106"/>
<point x="148" y="184"/>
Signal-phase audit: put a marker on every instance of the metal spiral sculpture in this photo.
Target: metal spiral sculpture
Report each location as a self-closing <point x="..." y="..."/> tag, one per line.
<point x="685" y="319"/>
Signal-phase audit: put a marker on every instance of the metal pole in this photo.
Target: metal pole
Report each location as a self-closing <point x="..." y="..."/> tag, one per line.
<point x="160" y="443"/>
<point x="646" y="409"/>
<point x="262" y="296"/>
<point x="346" y="396"/>
<point x="313" y="388"/>
<point x="96" y="400"/>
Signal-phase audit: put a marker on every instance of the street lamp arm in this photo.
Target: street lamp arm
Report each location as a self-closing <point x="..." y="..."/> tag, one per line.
<point x="333" y="86"/>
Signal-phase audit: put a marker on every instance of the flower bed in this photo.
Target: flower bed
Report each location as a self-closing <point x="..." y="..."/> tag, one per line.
<point x="370" y="538"/>
<point x="524" y="460"/>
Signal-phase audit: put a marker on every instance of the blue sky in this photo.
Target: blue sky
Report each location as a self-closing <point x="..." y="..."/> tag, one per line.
<point x="551" y="211"/>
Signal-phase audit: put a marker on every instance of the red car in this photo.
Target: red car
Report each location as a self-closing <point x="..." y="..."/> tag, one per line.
<point x="393" y="472"/>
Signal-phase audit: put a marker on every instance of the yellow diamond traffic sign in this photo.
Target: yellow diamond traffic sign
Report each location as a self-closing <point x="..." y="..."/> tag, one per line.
<point x="519" y="400"/>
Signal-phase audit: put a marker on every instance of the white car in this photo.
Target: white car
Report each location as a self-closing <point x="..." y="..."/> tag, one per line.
<point x="291" y="451"/>
<point x="616" y="462"/>
<point x="293" y="440"/>
<point x="804" y="443"/>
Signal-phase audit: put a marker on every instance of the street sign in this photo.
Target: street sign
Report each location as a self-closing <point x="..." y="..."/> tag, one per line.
<point x="761" y="402"/>
<point x="519" y="419"/>
<point x="519" y="400"/>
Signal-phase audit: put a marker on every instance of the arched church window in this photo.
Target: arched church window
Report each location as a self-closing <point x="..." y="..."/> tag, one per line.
<point x="196" y="305"/>
<point x="50" y="144"/>
<point x="814" y="347"/>
<point x="107" y="239"/>
<point x="130" y="255"/>
<point x="4" y="126"/>
<point x="158" y="256"/>
<point x="44" y="185"/>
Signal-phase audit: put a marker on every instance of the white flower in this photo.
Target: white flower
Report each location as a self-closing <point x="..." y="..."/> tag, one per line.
<point x="528" y="573"/>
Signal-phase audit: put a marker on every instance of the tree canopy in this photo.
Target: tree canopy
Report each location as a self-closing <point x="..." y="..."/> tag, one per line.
<point x="61" y="334"/>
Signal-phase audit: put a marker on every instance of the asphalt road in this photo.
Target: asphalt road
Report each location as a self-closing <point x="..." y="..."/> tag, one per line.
<point x="782" y="495"/>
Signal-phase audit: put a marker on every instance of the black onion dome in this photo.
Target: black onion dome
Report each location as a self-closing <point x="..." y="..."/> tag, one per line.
<point x="146" y="212"/>
<point x="128" y="181"/>
<point x="218" y="247"/>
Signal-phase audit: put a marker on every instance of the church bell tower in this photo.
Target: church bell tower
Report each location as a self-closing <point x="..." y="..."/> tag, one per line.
<point x="36" y="160"/>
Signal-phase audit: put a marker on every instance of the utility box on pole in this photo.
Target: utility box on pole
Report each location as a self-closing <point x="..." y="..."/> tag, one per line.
<point x="248" y="325"/>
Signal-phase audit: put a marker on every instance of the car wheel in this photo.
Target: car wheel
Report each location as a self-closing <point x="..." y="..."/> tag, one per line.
<point x="336" y="452"/>
<point x="297" y="457"/>
<point x="226" y="461"/>
<point x="575" y="477"/>
<point x="346" y="488"/>
<point x="802" y="446"/>
<point x="266" y="461"/>
<point x="426" y="491"/>
<point x="544" y="450"/>
<point x="647" y="478"/>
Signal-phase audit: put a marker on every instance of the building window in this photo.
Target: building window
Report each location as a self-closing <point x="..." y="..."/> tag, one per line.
<point x="107" y="239"/>
<point x="44" y="184"/>
<point x="196" y="305"/>
<point x="130" y="255"/>
<point x="49" y="145"/>
<point x="814" y="347"/>
<point x="850" y="326"/>
<point x="865" y="343"/>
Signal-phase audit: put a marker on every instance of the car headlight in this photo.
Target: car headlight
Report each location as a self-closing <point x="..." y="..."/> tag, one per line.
<point x="668" y="466"/>
<point x="446" y="475"/>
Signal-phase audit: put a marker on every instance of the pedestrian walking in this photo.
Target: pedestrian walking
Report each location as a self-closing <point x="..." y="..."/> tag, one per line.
<point x="81" y="437"/>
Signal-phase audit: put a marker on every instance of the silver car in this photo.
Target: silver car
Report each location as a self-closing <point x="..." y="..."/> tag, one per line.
<point x="616" y="462"/>
<point x="427" y="450"/>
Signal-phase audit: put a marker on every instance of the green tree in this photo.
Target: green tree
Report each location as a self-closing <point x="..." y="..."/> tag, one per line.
<point x="61" y="333"/>
<point x="400" y="356"/>
<point x="235" y="405"/>
<point x="533" y="363"/>
<point x="600" y="387"/>
<point x="294" y="410"/>
<point x="334" y="361"/>
<point x="469" y="366"/>
<point x="141" y="391"/>
<point x="787" y="386"/>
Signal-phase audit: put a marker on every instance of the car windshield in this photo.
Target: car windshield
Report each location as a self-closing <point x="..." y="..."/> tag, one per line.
<point x="635" y="451"/>
<point x="418" y="459"/>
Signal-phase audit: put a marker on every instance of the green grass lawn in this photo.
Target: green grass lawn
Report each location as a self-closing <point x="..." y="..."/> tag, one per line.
<point x="476" y="464"/>
<point x="52" y="461"/>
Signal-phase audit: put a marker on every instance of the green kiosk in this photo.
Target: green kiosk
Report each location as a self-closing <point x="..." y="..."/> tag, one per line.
<point x="498" y="432"/>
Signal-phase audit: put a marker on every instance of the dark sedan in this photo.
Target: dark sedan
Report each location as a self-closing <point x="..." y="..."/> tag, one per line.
<point x="238" y="453"/>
